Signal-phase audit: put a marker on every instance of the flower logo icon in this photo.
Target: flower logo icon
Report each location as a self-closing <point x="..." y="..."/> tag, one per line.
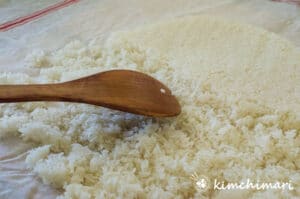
<point x="201" y="182"/>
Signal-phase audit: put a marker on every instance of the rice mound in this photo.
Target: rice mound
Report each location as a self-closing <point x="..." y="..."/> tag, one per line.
<point x="94" y="152"/>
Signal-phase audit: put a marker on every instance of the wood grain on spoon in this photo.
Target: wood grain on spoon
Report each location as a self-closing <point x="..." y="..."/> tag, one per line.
<point x="124" y="90"/>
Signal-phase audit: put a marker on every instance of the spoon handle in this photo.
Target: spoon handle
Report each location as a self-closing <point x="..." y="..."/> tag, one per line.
<point x="26" y="93"/>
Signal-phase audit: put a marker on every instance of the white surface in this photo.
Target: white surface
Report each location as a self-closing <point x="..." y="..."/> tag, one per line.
<point x="87" y="20"/>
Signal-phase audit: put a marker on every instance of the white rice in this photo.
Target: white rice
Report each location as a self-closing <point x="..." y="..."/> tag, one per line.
<point x="94" y="152"/>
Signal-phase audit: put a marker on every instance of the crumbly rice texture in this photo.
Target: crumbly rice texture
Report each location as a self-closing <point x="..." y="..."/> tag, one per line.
<point x="95" y="152"/>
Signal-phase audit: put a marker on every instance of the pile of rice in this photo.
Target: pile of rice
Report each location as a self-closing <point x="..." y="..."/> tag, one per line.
<point x="94" y="152"/>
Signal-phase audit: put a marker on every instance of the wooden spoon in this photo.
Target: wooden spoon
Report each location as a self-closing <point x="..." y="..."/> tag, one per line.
<point x="124" y="90"/>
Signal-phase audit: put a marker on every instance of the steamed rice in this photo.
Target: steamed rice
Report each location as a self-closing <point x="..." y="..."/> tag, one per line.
<point x="94" y="152"/>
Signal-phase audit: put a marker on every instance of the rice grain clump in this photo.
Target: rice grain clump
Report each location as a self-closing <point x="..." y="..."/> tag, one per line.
<point x="94" y="152"/>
